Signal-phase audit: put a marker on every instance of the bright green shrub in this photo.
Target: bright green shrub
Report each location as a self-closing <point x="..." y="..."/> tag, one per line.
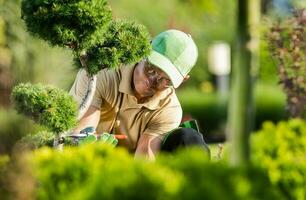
<point x="206" y="180"/>
<point x="280" y="149"/>
<point x="97" y="172"/>
<point x="49" y="106"/>
<point x="66" y="23"/>
<point x="102" y="172"/>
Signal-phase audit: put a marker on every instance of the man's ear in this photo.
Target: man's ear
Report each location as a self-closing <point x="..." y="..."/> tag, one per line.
<point x="186" y="78"/>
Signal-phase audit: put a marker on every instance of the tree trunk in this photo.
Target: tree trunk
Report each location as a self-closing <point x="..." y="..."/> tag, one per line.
<point x="86" y="101"/>
<point x="240" y="105"/>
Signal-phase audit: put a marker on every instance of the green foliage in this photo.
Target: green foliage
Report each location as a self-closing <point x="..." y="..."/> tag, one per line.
<point x="13" y="128"/>
<point x="97" y="172"/>
<point x="4" y="160"/>
<point x="49" y="106"/>
<point x="280" y="149"/>
<point x="66" y="23"/>
<point x="267" y="71"/>
<point x="38" y="140"/>
<point x="102" y="172"/>
<point x="204" y="180"/>
<point x="124" y="43"/>
<point x="287" y="41"/>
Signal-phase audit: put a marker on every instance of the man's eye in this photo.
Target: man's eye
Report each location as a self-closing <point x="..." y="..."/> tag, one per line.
<point x="152" y="72"/>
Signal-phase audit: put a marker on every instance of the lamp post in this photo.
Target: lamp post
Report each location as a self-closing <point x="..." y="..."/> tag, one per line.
<point x="219" y="64"/>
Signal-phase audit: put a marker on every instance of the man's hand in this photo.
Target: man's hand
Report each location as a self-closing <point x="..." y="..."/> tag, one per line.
<point x="88" y="136"/>
<point x="148" y="146"/>
<point x="108" y="138"/>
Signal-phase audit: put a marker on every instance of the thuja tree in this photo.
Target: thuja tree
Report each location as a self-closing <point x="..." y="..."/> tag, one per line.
<point x="287" y="41"/>
<point x="86" y="27"/>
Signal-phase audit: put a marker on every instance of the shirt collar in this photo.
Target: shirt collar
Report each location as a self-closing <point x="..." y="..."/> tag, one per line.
<point x="125" y="86"/>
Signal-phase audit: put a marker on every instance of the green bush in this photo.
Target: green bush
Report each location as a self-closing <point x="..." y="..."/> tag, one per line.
<point x="207" y="180"/>
<point x="86" y="27"/>
<point x="38" y="140"/>
<point x="49" y="106"/>
<point x="123" y="43"/>
<point x="66" y="23"/>
<point x="102" y="172"/>
<point x="94" y="172"/>
<point x="280" y="149"/>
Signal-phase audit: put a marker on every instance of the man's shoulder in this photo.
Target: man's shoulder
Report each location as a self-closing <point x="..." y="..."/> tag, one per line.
<point x="169" y="99"/>
<point x="109" y="76"/>
<point x="114" y="74"/>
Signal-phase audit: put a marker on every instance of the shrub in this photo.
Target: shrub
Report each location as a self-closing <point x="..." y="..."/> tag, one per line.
<point x="287" y="41"/>
<point x="66" y="23"/>
<point x="49" y="106"/>
<point x="38" y="140"/>
<point x="123" y="43"/>
<point x="86" y="27"/>
<point x="280" y="149"/>
<point x="95" y="172"/>
<point x="205" y="180"/>
<point x="101" y="172"/>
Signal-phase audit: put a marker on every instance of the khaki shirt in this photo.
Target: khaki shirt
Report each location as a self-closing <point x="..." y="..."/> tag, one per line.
<point x="120" y="112"/>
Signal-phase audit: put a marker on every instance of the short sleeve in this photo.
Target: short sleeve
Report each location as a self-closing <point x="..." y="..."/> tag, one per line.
<point x="165" y="121"/>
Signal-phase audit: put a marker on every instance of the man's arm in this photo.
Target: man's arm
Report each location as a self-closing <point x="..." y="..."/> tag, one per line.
<point x="91" y="118"/>
<point x="148" y="146"/>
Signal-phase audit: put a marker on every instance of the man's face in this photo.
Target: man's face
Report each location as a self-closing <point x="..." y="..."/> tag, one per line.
<point x="149" y="80"/>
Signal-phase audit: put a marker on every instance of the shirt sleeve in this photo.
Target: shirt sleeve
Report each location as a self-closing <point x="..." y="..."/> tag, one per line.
<point x="79" y="88"/>
<point x="164" y="122"/>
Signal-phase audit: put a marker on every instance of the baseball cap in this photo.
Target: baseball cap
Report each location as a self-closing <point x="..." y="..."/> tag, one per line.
<point x="175" y="53"/>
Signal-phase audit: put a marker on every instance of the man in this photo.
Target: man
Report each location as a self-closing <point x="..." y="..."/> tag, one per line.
<point x="139" y="101"/>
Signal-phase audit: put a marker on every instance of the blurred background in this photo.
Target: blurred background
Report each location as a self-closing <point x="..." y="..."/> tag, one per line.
<point x="212" y="24"/>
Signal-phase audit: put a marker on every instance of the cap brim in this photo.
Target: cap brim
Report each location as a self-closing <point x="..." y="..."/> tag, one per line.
<point x="164" y="64"/>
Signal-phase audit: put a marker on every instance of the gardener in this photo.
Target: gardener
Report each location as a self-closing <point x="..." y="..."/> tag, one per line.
<point x="140" y="102"/>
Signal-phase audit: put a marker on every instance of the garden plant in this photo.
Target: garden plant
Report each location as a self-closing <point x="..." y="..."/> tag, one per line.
<point x="287" y="41"/>
<point x="96" y="41"/>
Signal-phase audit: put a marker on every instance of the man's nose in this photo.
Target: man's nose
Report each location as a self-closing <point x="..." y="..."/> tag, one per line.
<point x="153" y="81"/>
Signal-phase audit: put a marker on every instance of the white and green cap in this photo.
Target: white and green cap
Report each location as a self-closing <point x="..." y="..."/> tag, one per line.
<point x="175" y="53"/>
